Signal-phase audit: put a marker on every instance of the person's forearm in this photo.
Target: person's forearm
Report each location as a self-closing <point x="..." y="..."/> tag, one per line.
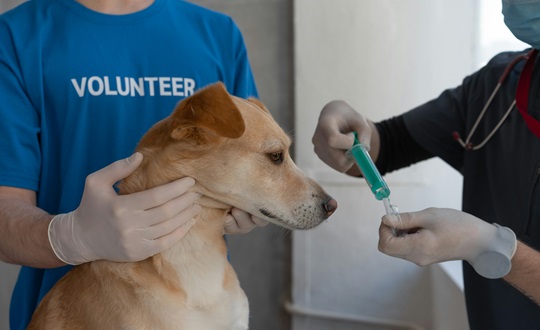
<point x="23" y="235"/>
<point x="525" y="273"/>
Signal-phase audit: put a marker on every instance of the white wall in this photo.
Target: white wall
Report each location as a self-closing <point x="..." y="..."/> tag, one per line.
<point x="384" y="57"/>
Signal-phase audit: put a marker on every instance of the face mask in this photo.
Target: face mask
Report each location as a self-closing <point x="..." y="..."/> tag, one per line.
<point x="522" y="17"/>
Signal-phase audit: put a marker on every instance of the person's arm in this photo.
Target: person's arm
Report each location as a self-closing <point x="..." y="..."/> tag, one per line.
<point x="525" y="273"/>
<point x="23" y="230"/>
<point x="397" y="148"/>
<point x="436" y="235"/>
<point x="106" y="225"/>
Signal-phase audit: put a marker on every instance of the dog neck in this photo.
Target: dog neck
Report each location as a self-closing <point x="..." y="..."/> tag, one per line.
<point x="199" y="260"/>
<point x="197" y="264"/>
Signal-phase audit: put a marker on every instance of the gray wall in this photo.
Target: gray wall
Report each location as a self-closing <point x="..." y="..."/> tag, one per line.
<point x="262" y="257"/>
<point x="8" y="275"/>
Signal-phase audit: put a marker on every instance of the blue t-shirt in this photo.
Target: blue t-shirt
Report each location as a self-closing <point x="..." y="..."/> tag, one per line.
<point x="79" y="88"/>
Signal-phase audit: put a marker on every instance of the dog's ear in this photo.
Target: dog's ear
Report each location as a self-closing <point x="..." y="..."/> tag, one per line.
<point x="210" y="109"/>
<point x="259" y="104"/>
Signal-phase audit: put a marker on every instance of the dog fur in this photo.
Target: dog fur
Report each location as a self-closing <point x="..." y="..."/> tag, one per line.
<point x="239" y="157"/>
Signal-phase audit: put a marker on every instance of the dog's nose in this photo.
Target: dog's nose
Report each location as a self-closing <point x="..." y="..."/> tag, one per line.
<point x="329" y="205"/>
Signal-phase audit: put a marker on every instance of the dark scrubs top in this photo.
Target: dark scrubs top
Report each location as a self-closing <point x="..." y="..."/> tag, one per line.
<point x="501" y="180"/>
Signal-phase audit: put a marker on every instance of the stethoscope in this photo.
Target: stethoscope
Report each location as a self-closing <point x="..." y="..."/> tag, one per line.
<point x="522" y="96"/>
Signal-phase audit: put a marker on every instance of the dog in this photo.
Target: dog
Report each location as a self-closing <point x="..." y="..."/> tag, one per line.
<point x="239" y="157"/>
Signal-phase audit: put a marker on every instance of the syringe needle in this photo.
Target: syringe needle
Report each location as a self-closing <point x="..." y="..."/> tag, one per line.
<point x="393" y="214"/>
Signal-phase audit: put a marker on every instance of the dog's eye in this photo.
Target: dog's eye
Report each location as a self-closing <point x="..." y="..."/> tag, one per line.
<point x="276" y="157"/>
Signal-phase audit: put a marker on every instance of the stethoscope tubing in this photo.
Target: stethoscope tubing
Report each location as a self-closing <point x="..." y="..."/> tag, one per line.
<point x="467" y="145"/>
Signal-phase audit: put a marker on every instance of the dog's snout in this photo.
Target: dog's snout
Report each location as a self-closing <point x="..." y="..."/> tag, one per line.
<point x="329" y="205"/>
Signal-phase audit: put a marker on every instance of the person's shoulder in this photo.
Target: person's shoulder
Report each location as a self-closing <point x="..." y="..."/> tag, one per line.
<point x="16" y="18"/>
<point x="26" y="12"/>
<point x="504" y="58"/>
<point x="19" y="11"/>
<point x="496" y="66"/>
<point x="24" y="9"/>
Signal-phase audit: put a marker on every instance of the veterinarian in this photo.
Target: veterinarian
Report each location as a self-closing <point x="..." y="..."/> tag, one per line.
<point x="501" y="170"/>
<point x="81" y="82"/>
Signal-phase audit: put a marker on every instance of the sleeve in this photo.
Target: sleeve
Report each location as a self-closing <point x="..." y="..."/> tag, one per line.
<point x="398" y="148"/>
<point x="19" y="124"/>
<point x="244" y="83"/>
<point x="432" y="124"/>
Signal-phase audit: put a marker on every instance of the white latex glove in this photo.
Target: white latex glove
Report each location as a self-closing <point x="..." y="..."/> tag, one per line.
<point x="241" y="222"/>
<point x="333" y="134"/>
<point x="123" y="228"/>
<point x="437" y="235"/>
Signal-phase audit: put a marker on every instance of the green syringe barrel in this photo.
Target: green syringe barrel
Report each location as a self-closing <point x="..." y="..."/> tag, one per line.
<point x="373" y="178"/>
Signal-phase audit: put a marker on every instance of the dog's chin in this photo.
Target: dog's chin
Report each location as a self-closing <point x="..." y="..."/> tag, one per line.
<point x="292" y="224"/>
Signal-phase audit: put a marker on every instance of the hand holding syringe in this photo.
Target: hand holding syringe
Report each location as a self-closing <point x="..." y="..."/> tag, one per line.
<point x="492" y="250"/>
<point x="374" y="179"/>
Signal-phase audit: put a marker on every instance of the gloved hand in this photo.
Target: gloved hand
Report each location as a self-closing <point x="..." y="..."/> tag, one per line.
<point x="436" y="235"/>
<point x="123" y="228"/>
<point x="333" y="134"/>
<point x="241" y="222"/>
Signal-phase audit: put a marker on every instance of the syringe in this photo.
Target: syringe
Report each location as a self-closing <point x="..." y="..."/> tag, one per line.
<point x="376" y="183"/>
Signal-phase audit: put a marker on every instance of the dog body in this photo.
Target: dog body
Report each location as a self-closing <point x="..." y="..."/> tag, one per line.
<point x="239" y="157"/>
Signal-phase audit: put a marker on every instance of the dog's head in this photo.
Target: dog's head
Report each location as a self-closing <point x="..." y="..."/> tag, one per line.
<point x="238" y="155"/>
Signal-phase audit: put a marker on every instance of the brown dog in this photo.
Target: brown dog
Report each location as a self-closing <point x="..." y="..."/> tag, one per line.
<point x="239" y="157"/>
